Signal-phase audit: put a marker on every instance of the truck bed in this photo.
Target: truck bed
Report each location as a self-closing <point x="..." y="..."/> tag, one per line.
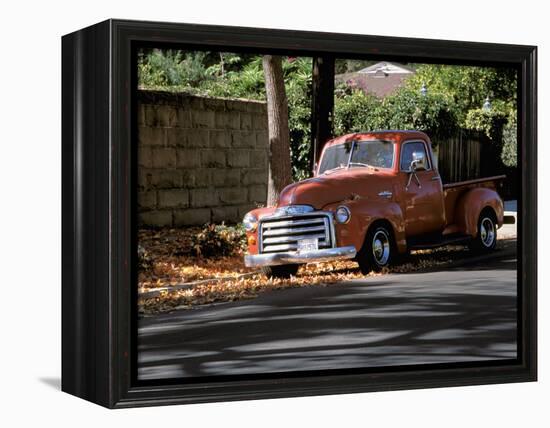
<point x="489" y="182"/>
<point x="453" y="191"/>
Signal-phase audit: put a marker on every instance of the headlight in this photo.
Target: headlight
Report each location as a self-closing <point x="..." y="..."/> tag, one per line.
<point x="250" y="222"/>
<point x="343" y="214"/>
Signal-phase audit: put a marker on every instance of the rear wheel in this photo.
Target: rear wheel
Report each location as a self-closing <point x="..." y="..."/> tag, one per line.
<point x="280" y="271"/>
<point x="486" y="239"/>
<point x="377" y="251"/>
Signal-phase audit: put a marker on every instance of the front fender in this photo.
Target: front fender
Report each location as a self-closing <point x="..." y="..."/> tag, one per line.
<point x="252" y="237"/>
<point x="470" y="205"/>
<point x="364" y="213"/>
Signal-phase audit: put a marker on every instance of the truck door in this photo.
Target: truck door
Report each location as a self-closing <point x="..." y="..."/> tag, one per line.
<point x="421" y="190"/>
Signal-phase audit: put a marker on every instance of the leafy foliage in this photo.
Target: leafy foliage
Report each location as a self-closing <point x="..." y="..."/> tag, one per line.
<point x="467" y="86"/>
<point x="432" y="113"/>
<point x="298" y="91"/>
<point x="355" y="111"/>
<point x="487" y="121"/>
<point x="248" y="82"/>
<point x="218" y="240"/>
<point x="405" y="109"/>
<point x="173" y="68"/>
<point x="454" y="100"/>
<point x="144" y="258"/>
<point x="510" y="144"/>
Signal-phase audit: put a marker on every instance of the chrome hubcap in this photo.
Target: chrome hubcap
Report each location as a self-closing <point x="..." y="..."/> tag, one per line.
<point x="487" y="232"/>
<point x="381" y="247"/>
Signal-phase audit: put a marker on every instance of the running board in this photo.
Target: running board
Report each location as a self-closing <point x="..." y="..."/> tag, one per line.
<point x="448" y="240"/>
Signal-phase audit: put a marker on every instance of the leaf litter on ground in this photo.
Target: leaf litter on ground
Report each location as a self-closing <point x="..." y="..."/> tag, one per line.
<point x="166" y="261"/>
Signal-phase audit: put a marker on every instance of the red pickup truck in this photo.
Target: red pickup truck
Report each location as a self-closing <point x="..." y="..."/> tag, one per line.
<point x="374" y="195"/>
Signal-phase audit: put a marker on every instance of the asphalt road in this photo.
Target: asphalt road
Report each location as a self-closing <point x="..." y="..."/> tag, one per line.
<point x="457" y="314"/>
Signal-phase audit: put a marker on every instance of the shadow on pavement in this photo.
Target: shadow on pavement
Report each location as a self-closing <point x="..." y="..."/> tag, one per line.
<point x="452" y="315"/>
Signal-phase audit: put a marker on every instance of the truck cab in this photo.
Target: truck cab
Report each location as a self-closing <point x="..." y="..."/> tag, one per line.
<point x="374" y="195"/>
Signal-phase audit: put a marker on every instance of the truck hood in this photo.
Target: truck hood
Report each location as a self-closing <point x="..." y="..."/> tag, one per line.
<point x="335" y="187"/>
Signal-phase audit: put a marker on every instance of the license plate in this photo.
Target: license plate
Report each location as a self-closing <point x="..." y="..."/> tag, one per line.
<point x="305" y="245"/>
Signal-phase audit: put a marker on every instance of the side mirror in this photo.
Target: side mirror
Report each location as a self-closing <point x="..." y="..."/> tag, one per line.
<point x="419" y="162"/>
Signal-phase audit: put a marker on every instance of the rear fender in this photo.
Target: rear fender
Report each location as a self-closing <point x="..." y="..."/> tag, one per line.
<point x="470" y="205"/>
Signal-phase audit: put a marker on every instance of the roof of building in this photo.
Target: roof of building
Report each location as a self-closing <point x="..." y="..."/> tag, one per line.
<point x="380" y="79"/>
<point x="386" y="67"/>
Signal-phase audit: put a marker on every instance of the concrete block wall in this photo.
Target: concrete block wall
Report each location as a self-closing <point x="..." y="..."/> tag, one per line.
<point x="200" y="159"/>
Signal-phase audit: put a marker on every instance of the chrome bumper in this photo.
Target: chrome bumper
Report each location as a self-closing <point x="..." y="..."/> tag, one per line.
<point x="294" y="257"/>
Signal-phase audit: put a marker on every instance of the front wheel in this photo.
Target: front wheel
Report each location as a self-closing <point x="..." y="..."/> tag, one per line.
<point x="486" y="239"/>
<point x="377" y="251"/>
<point x="280" y="271"/>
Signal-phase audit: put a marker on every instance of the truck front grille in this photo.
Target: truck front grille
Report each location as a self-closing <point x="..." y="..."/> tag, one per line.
<point x="283" y="234"/>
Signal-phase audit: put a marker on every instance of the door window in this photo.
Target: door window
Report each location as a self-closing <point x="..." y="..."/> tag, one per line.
<point x="407" y="154"/>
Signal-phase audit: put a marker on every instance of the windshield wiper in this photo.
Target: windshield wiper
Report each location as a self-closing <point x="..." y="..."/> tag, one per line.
<point x="366" y="165"/>
<point x="334" y="169"/>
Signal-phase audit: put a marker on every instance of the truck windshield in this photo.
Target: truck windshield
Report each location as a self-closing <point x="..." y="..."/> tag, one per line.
<point x="353" y="154"/>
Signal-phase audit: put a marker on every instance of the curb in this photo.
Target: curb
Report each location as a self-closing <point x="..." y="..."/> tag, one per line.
<point x="188" y="285"/>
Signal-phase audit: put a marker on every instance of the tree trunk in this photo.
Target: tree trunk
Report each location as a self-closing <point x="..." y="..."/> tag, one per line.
<point x="322" y="106"/>
<point x="279" y="170"/>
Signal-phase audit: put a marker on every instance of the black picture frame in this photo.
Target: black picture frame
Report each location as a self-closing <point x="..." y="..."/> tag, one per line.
<point x="99" y="219"/>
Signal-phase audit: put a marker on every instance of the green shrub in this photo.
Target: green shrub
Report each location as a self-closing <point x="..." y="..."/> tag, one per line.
<point x="406" y="109"/>
<point x="432" y="113"/>
<point x="510" y="144"/>
<point x="467" y="86"/>
<point x="298" y="92"/>
<point x="172" y="68"/>
<point x="356" y="111"/>
<point x="248" y="83"/>
<point x="489" y="122"/>
<point x="145" y="260"/>
<point x="218" y="240"/>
